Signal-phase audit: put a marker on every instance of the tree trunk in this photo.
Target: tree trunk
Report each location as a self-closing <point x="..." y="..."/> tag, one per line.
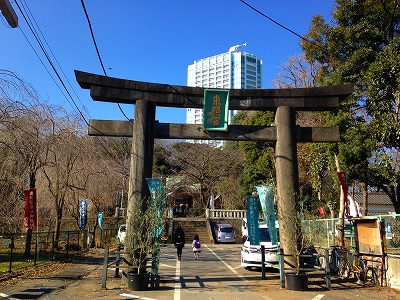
<point x="57" y="228"/>
<point x="393" y="193"/>
<point x="363" y="187"/>
<point x="340" y="224"/>
<point x="28" y="242"/>
<point x="92" y="243"/>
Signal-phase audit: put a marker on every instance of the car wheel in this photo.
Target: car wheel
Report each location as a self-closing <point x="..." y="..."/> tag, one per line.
<point x="247" y="268"/>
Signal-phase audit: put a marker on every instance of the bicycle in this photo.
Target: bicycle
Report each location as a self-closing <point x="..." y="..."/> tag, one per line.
<point x="337" y="261"/>
<point x="359" y="268"/>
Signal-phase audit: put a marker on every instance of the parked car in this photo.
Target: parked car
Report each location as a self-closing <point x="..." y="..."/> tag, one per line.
<point x="245" y="230"/>
<point x="251" y="254"/>
<point x="121" y="234"/>
<point x="224" y="233"/>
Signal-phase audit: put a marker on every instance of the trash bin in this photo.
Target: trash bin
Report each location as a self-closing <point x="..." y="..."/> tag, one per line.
<point x="138" y="282"/>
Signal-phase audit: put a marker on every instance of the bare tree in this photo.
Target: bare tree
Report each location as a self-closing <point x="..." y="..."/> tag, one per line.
<point x="65" y="162"/>
<point x="202" y="166"/>
<point x="103" y="173"/>
<point x="297" y="72"/>
<point x="24" y="130"/>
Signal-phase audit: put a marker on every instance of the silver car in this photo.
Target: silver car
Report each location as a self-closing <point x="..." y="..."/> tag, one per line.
<point x="224" y="233"/>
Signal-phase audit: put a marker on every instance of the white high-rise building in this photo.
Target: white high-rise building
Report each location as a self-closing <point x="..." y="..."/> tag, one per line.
<point x="231" y="70"/>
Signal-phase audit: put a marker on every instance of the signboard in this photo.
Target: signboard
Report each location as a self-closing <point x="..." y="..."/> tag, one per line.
<point x="252" y="220"/>
<point x="215" y="112"/>
<point x="266" y="195"/>
<point x="389" y="230"/>
<point x="368" y="238"/>
<point x="30" y="213"/>
<point x="82" y="214"/>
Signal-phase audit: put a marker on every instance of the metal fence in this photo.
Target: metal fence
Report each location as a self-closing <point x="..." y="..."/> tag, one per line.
<point x="323" y="233"/>
<point x="44" y="249"/>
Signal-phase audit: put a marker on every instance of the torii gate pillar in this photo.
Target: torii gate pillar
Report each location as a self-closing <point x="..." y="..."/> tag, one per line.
<point x="287" y="176"/>
<point x="141" y="165"/>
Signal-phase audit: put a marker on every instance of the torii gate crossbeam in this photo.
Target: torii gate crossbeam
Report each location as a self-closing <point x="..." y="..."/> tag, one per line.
<point x="196" y="132"/>
<point x="108" y="89"/>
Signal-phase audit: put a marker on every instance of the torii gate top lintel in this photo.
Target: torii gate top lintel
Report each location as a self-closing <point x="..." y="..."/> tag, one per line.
<point x="109" y="89"/>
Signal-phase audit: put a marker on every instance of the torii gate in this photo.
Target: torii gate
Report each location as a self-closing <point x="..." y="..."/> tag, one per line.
<point x="146" y="96"/>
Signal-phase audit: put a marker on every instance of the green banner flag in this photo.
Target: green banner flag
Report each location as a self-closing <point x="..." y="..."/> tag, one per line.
<point x="157" y="195"/>
<point x="266" y="195"/>
<point x="252" y="220"/>
<point x="215" y="112"/>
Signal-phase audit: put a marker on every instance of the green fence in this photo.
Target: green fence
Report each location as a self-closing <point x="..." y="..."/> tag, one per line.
<point x="322" y="233"/>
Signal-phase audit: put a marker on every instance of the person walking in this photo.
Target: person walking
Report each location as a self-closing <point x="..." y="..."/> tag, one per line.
<point x="179" y="241"/>
<point x="196" y="247"/>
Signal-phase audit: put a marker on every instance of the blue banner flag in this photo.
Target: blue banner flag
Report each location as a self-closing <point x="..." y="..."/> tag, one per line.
<point x="82" y="214"/>
<point x="100" y="219"/>
<point x="266" y="195"/>
<point x="155" y="187"/>
<point x="157" y="194"/>
<point x="252" y="220"/>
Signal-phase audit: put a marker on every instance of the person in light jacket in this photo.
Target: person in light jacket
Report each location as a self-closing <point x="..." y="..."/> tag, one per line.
<point x="196" y="247"/>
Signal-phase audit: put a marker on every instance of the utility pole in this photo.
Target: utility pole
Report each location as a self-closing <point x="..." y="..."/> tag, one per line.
<point x="9" y="13"/>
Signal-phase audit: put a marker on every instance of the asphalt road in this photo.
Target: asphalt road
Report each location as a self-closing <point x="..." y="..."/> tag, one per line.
<point x="216" y="275"/>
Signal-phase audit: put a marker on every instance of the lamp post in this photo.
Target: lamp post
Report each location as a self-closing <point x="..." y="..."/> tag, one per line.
<point x="9" y="13"/>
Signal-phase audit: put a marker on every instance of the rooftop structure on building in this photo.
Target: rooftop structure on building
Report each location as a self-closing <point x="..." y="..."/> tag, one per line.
<point x="379" y="203"/>
<point x="234" y="69"/>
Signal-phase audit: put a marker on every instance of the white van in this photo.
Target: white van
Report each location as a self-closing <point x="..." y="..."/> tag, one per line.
<point x="244" y="227"/>
<point x="251" y="254"/>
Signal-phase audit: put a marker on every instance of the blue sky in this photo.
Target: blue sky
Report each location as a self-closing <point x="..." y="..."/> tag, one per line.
<point x="151" y="41"/>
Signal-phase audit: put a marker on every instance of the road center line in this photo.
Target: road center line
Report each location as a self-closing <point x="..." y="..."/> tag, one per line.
<point x="227" y="265"/>
<point x="168" y="266"/>
<point x="8" y="297"/>
<point x="318" y="297"/>
<point x="177" y="288"/>
<point x="130" y="296"/>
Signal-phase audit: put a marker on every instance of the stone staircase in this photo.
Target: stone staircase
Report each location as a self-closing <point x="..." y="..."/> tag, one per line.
<point x="192" y="226"/>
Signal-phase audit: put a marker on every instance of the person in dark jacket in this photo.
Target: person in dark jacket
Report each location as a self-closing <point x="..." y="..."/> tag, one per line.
<point x="179" y="241"/>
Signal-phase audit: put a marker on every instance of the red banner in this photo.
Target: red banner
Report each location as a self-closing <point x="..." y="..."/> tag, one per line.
<point x="342" y="179"/>
<point x="30" y="215"/>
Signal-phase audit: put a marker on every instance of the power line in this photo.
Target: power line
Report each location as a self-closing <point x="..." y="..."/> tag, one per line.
<point x="39" y="41"/>
<point x="97" y="49"/>
<point x="32" y="29"/>
<point x="48" y="46"/>
<point x="43" y="64"/>
<point x="284" y="27"/>
<point x="27" y="15"/>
